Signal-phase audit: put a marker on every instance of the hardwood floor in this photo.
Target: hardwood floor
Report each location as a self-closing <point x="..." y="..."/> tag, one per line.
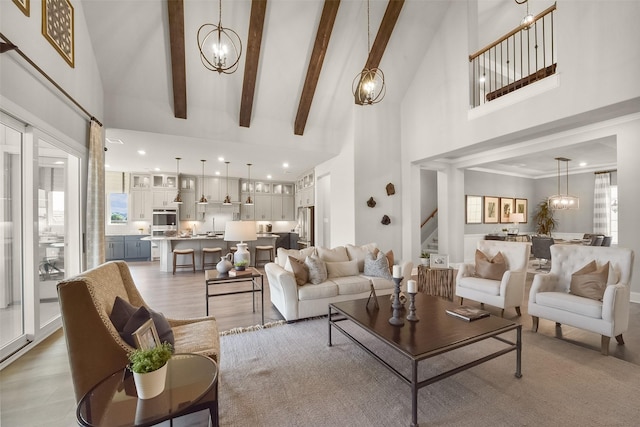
<point x="36" y="390"/>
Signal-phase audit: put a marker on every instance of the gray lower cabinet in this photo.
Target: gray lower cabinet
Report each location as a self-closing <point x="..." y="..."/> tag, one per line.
<point x="127" y="248"/>
<point x="114" y="247"/>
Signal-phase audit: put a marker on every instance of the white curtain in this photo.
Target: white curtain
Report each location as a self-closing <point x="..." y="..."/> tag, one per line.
<point x="94" y="238"/>
<point x="602" y="204"/>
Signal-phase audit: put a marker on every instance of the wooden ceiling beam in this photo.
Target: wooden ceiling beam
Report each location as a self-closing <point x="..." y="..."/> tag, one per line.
<point x="384" y="34"/>
<point x="325" y="27"/>
<point x="178" y="67"/>
<point x="254" y="42"/>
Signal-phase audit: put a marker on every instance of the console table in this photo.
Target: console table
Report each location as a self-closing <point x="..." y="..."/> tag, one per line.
<point x="436" y="281"/>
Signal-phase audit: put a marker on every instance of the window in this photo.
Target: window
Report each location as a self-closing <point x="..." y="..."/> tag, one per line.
<point x="118" y="208"/>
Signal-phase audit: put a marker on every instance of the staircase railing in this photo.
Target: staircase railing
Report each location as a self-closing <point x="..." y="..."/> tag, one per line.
<point x="524" y="55"/>
<point x="433" y="215"/>
<point x="428" y="226"/>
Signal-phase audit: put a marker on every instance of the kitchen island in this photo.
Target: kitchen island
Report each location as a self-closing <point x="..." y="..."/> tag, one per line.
<point x="168" y="244"/>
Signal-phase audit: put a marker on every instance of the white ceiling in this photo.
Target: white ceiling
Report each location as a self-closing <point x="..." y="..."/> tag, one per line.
<point x="130" y="41"/>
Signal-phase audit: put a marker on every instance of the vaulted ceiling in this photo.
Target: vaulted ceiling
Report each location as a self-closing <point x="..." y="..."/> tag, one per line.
<point x="290" y="100"/>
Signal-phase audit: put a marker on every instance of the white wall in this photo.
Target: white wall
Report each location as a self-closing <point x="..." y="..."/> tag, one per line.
<point x="22" y="85"/>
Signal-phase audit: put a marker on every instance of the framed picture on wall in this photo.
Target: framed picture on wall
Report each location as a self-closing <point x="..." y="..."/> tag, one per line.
<point x="473" y="213"/>
<point x="58" y="27"/>
<point x="23" y="5"/>
<point x="506" y="208"/>
<point x="491" y="209"/>
<point x="521" y="207"/>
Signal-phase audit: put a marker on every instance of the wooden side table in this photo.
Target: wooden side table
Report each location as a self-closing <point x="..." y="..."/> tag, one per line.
<point x="436" y="281"/>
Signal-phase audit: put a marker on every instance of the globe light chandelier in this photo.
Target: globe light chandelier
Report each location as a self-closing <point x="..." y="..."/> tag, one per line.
<point x="368" y="86"/>
<point x="528" y="19"/>
<point x="220" y="48"/>
<point x="562" y="201"/>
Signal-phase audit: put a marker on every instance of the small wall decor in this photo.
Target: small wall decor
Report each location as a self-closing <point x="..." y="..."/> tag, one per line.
<point x="371" y="203"/>
<point x="23" y="5"/>
<point x="491" y="208"/>
<point x="57" y="27"/>
<point x="521" y="207"/>
<point x="391" y="190"/>
<point x="386" y="220"/>
<point x="506" y="209"/>
<point x="473" y="210"/>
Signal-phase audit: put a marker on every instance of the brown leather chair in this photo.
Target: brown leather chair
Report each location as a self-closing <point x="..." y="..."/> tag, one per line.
<point x="95" y="347"/>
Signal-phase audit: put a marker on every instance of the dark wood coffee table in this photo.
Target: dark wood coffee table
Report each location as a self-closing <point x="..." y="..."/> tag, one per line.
<point x="436" y="333"/>
<point x="191" y="386"/>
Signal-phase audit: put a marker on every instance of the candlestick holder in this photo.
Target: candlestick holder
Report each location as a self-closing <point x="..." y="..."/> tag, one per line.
<point x="395" y="319"/>
<point x="412" y="308"/>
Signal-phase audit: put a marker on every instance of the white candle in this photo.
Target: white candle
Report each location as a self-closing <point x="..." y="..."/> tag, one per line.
<point x="396" y="272"/>
<point x="411" y="286"/>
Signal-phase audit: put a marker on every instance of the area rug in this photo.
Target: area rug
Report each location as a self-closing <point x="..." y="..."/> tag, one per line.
<point x="288" y="376"/>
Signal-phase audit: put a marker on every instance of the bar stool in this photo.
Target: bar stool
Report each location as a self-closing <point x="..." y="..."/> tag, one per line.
<point x="268" y="249"/>
<point x="186" y="252"/>
<point x="216" y="252"/>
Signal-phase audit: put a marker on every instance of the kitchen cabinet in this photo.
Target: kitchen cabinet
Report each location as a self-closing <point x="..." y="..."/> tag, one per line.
<point x="114" y="247"/>
<point x="163" y="198"/>
<point x="187" y="183"/>
<point x="215" y="189"/>
<point x="140" y="181"/>
<point x="305" y="197"/>
<point x="141" y="208"/>
<point x="136" y="249"/>
<point x="188" y="211"/>
<point x="164" y="181"/>
<point x="263" y="207"/>
<point x="283" y="208"/>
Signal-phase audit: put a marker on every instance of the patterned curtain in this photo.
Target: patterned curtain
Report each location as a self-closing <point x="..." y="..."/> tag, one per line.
<point x="95" y="198"/>
<point x="602" y="204"/>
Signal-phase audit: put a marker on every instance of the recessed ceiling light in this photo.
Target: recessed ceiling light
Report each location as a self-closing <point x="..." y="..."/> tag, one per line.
<point x="142" y="152"/>
<point x="221" y="159"/>
<point x="107" y="166"/>
<point x="59" y="162"/>
<point x="583" y="164"/>
<point x="285" y="165"/>
<point x="157" y="169"/>
<point x="114" y="141"/>
<point x="268" y="176"/>
<point x="217" y="172"/>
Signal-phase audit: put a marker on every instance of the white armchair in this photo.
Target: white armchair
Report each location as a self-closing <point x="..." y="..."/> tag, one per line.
<point x="505" y="293"/>
<point x="549" y="297"/>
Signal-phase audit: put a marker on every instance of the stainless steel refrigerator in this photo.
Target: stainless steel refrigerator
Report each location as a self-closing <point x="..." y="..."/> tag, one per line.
<point x="305" y="227"/>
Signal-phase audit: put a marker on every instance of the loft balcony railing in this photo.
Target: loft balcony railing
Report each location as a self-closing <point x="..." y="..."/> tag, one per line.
<point x="523" y="56"/>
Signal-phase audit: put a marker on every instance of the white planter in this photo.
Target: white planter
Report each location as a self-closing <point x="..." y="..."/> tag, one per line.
<point x="424" y="261"/>
<point x="151" y="384"/>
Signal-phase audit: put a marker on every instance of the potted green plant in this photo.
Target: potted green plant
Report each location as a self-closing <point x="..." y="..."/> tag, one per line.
<point x="425" y="257"/>
<point x="149" y="367"/>
<point x="543" y="218"/>
<point x="241" y="265"/>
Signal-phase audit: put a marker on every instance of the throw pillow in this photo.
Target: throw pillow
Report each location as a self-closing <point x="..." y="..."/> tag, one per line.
<point x="590" y="281"/>
<point x="317" y="269"/>
<point x="378" y="266"/>
<point x="300" y="254"/>
<point x="358" y="253"/>
<point x="493" y="268"/>
<point x="127" y="318"/>
<point x="342" y="269"/>
<point x="389" y="256"/>
<point x="334" y="255"/>
<point x="299" y="270"/>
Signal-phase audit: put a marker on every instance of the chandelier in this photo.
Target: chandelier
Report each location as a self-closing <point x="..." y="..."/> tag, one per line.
<point x="249" y="202"/>
<point x="368" y="86"/>
<point x="227" y="199"/>
<point x="220" y="47"/>
<point x="563" y="201"/>
<point x="528" y="18"/>
<point x="178" y="198"/>
<point x="203" y="200"/>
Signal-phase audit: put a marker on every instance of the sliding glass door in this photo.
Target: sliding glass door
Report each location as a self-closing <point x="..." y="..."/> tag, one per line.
<point x="40" y="231"/>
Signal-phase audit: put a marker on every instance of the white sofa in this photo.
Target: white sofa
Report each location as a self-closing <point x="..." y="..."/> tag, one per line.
<point x="505" y="293"/>
<point x="298" y="302"/>
<point x="549" y="297"/>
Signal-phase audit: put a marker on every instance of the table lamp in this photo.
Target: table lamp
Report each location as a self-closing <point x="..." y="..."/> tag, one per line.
<point x="239" y="231"/>
<point x="515" y="218"/>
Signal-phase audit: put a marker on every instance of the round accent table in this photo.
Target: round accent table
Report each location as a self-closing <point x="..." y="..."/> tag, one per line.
<point x="191" y="386"/>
